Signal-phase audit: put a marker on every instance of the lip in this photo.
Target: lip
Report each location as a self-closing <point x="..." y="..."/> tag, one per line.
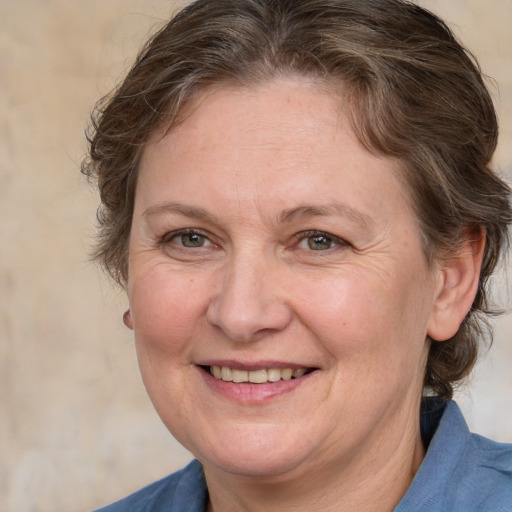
<point x="252" y="366"/>
<point x="248" y="393"/>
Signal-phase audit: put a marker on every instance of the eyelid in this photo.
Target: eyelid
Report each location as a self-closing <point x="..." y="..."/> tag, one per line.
<point x="302" y="235"/>
<point x="168" y="237"/>
<point x="299" y="237"/>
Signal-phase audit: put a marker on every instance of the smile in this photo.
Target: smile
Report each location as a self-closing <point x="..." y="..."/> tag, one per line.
<point x="262" y="376"/>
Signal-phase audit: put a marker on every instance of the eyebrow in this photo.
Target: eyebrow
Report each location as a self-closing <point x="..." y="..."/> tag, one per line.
<point x="181" y="209"/>
<point x="288" y="215"/>
<point x="333" y="209"/>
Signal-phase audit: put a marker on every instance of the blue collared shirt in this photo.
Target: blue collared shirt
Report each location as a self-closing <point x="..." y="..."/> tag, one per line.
<point x="461" y="472"/>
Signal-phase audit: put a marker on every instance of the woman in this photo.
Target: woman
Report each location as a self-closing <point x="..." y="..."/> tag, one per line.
<point x="297" y="196"/>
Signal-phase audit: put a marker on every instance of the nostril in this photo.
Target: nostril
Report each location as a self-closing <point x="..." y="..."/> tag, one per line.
<point x="243" y="322"/>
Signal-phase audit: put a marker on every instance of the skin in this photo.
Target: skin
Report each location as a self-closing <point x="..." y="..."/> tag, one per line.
<point x="262" y="176"/>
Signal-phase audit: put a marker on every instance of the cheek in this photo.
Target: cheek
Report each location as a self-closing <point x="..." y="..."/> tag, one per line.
<point x="362" y="316"/>
<point x="167" y="307"/>
<point x="167" y="310"/>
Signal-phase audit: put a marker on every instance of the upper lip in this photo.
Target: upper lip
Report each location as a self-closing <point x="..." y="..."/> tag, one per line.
<point x="252" y="366"/>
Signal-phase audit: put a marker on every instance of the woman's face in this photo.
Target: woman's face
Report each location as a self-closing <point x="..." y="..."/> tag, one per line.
<point x="268" y="244"/>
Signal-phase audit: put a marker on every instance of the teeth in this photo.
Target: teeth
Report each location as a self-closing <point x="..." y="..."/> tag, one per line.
<point x="286" y="373"/>
<point x="273" y="375"/>
<point x="240" y="375"/>
<point x="226" y="374"/>
<point x="256" y="376"/>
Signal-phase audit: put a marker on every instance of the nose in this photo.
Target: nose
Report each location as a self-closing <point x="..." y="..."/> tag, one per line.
<point x="248" y="304"/>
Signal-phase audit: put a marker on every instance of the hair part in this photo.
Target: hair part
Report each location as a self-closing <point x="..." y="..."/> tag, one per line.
<point x="413" y="93"/>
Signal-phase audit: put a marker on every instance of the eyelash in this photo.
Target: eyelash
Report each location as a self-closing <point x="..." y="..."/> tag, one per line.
<point x="305" y="235"/>
<point x="168" y="237"/>
<point x="299" y="237"/>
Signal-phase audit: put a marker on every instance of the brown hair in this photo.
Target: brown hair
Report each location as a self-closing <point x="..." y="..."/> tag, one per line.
<point x="415" y="93"/>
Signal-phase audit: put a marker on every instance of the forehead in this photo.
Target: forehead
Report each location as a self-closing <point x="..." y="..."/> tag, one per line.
<point x="280" y="114"/>
<point x="293" y="132"/>
<point x="291" y="95"/>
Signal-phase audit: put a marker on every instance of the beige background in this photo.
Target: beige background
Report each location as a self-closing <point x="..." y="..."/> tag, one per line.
<point x="76" y="428"/>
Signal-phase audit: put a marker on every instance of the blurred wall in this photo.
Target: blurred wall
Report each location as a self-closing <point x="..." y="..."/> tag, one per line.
<point x="76" y="428"/>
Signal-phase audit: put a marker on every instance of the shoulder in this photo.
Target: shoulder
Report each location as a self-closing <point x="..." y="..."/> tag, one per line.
<point x="183" y="490"/>
<point x="483" y="472"/>
<point x="487" y="473"/>
<point x="461" y="472"/>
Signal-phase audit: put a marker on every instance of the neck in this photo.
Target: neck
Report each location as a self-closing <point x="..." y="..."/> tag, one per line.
<point x="370" y="482"/>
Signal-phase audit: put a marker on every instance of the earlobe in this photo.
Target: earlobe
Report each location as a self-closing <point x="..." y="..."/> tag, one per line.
<point x="127" y="319"/>
<point x="458" y="283"/>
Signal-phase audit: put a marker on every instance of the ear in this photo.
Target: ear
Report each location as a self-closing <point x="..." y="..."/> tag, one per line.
<point x="127" y="319"/>
<point x="459" y="276"/>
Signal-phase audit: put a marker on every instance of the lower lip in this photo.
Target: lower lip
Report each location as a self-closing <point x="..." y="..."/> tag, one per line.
<point x="249" y="393"/>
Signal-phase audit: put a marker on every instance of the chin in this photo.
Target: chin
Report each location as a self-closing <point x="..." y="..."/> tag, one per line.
<point x="257" y="454"/>
<point x="257" y="468"/>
